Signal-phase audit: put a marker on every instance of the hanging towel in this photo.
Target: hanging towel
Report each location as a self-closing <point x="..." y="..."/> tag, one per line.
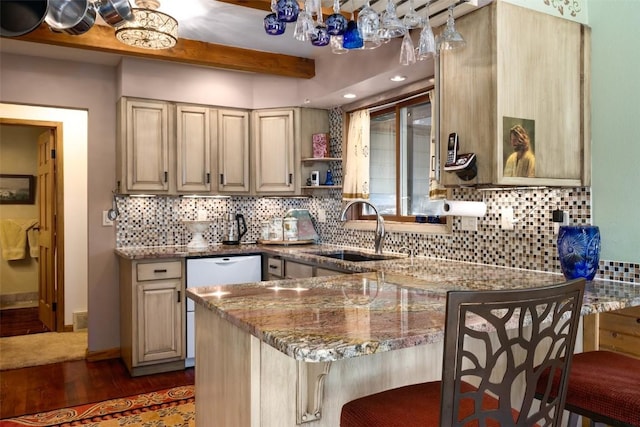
<point x="13" y="237"/>
<point x="33" y="237"/>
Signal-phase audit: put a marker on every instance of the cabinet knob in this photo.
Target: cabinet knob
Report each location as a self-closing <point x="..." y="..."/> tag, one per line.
<point x="166" y="176"/>
<point x="290" y="178"/>
<point x="208" y="178"/>
<point x="160" y="270"/>
<point x="222" y="178"/>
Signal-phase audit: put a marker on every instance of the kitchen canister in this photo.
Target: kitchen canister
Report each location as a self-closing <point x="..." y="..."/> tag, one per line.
<point x="275" y="232"/>
<point x="290" y="229"/>
<point x="265" y="230"/>
<point x="579" y="250"/>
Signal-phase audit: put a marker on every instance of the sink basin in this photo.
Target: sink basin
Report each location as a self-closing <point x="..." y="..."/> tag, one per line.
<point x="354" y="256"/>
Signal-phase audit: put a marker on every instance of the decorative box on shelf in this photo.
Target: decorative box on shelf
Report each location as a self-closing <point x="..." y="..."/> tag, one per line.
<point x="320" y="145"/>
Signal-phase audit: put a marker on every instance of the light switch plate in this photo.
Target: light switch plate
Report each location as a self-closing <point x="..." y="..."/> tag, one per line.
<point x="506" y="218"/>
<point x="106" y="222"/>
<point x="322" y="215"/>
<point x="469" y="223"/>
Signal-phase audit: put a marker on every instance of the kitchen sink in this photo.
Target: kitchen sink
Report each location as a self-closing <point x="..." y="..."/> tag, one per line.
<point x="354" y="256"/>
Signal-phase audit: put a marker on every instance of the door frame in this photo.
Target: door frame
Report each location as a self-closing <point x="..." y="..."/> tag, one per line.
<point x="56" y="127"/>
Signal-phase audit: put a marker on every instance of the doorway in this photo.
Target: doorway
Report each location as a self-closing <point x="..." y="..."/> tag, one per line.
<point x="46" y="249"/>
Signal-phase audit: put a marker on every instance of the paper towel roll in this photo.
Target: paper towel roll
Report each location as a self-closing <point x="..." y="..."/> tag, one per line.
<point x="450" y="208"/>
<point x="476" y="209"/>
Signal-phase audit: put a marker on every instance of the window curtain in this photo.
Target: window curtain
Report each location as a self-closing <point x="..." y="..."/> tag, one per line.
<point x="436" y="191"/>
<point x="356" y="177"/>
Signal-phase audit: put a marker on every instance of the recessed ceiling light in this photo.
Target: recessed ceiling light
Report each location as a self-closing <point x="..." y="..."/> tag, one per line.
<point x="398" y="78"/>
<point x="349" y="95"/>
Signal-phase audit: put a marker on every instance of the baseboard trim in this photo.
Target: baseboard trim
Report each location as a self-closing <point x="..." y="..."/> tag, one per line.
<point x="95" y="356"/>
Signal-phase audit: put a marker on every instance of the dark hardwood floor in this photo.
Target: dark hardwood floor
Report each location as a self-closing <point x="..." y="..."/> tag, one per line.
<point x="20" y="321"/>
<point x="61" y="385"/>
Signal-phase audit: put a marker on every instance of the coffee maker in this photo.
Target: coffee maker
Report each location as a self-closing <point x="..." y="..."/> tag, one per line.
<point x="234" y="228"/>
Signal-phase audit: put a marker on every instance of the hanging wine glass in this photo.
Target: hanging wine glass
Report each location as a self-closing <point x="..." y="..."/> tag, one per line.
<point x="336" y="45"/>
<point x="451" y="39"/>
<point x="304" y="24"/>
<point x="272" y="25"/>
<point x="336" y="23"/>
<point x="288" y="10"/>
<point x="391" y="25"/>
<point x="407" y="50"/>
<point x="369" y="26"/>
<point x="427" y="44"/>
<point x="319" y="36"/>
<point x="411" y="19"/>
<point x="352" y="38"/>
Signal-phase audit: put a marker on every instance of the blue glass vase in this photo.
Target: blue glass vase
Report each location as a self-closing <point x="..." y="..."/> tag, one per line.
<point x="579" y="251"/>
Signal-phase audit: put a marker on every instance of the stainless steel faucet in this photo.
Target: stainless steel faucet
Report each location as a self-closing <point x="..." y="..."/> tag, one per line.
<point x="379" y="239"/>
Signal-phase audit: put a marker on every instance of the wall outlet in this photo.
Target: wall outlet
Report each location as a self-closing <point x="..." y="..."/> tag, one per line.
<point x="469" y="223"/>
<point x="322" y="215"/>
<point x="506" y="218"/>
<point x="106" y="222"/>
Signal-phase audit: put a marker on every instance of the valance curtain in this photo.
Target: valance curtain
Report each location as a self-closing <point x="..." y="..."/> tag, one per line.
<point x="356" y="177"/>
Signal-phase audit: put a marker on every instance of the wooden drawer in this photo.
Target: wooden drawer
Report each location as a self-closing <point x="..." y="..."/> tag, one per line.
<point x="159" y="270"/>
<point x="326" y="272"/>
<point x="620" y="331"/>
<point x="295" y="270"/>
<point x="274" y="268"/>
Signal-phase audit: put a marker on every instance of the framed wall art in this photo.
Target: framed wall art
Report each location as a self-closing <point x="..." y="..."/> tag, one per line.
<point x="17" y="189"/>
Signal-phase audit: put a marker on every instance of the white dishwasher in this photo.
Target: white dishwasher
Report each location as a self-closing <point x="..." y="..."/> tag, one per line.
<point x="212" y="271"/>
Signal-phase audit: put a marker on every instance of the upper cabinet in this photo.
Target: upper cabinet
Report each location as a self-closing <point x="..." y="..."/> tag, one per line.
<point x="143" y="157"/>
<point x="522" y="81"/>
<point x="274" y="150"/>
<point x="194" y="142"/>
<point x="280" y="139"/>
<point x="169" y="148"/>
<point x="233" y="151"/>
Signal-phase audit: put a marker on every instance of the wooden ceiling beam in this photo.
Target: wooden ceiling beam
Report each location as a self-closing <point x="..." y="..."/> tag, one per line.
<point x="102" y="38"/>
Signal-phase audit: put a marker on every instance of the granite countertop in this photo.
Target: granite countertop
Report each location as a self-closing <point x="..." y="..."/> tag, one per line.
<point x="384" y="305"/>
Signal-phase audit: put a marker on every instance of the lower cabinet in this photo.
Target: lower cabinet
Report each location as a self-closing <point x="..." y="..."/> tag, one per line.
<point x="620" y="331"/>
<point x="152" y="316"/>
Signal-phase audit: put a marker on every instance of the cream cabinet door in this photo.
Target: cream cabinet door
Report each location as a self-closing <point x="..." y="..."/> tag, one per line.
<point x="159" y="321"/>
<point x="145" y="145"/>
<point x="233" y="151"/>
<point x="274" y="151"/>
<point x="193" y="146"/>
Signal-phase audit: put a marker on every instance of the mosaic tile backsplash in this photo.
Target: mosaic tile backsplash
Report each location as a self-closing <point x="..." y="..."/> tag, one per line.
<point x="531" y="245"/>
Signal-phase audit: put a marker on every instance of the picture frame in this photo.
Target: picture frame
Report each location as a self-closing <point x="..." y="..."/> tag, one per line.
<point x="320" y="143"/>
<point x="17" y="189"/>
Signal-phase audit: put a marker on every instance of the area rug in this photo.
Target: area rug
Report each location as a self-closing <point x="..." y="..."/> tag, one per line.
<point x="42" y="349"/>
<point x="173" y="407"/>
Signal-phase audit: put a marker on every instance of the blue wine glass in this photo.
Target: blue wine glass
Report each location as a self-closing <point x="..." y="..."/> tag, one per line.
<point x="352" y="38"/>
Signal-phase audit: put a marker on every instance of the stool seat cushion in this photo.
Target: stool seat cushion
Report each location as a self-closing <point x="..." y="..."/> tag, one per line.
<point x="604" y="383"/>
<point x="412" y="405"/>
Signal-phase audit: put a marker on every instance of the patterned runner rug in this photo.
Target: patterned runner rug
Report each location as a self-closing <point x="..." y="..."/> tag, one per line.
<point x="174" y="407"/>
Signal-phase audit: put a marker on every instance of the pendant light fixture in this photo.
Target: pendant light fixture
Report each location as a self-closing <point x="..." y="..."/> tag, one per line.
<point x="150" y="29"/>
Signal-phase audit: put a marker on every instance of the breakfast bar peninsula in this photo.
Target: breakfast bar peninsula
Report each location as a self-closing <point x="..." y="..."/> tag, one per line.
<point x="292" y="352"/>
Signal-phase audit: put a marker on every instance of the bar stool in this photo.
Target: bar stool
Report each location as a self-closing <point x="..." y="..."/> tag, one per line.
<point x="484" y="331"/>
<point x="605" y="387"/>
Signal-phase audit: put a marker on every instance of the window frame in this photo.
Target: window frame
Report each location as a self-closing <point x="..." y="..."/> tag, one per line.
<point x="396" y="107"/>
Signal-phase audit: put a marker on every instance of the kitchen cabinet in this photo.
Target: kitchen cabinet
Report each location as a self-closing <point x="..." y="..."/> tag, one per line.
<point x="194" y="147"/>
<point x="274" y="149"/>
<point x="296" y="270"/>
<point x="519" y="67"/>
<point x="280" y="140"/>
<point x="143" y="148"/>
<point x="233" y="152"/>
<point x="620" y="331"/>
<point x="152" y="313"/>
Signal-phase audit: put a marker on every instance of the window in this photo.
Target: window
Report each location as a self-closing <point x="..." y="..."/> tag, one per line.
<point x="400" y="159"/>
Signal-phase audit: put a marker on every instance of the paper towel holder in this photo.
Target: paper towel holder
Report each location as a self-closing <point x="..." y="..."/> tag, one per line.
<point x="465" y="166"/>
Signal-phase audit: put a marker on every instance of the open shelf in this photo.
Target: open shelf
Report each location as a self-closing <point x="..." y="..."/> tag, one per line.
<point x="321" y="159"/>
